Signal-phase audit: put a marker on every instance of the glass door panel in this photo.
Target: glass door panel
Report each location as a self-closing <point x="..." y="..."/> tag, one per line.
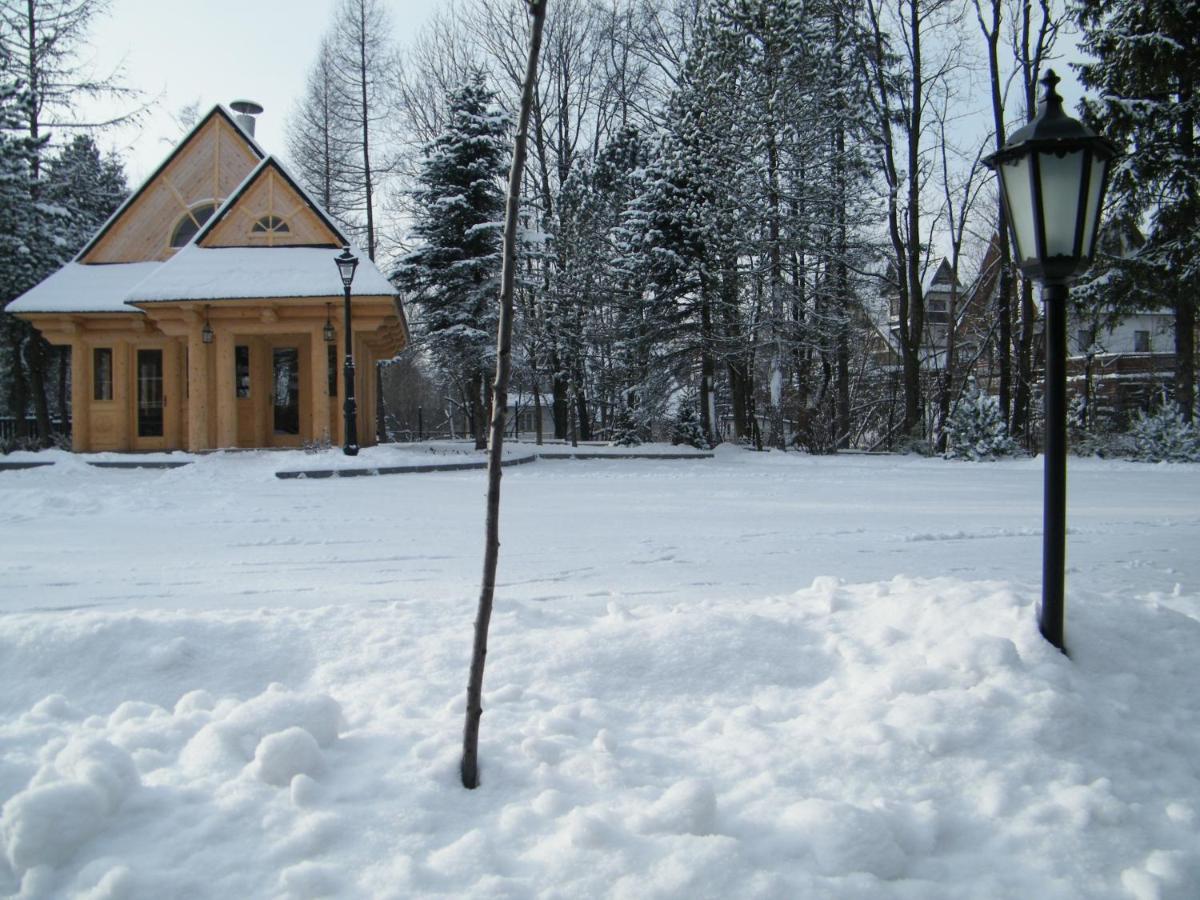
<point x="286" y="390"/>
<point x="150" y="399"/>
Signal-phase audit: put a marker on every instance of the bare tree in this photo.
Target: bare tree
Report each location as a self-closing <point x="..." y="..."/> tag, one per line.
<point x="363" y="60"/>
<point x="318" y="144"/>
<point x="903" y="83"/>
<point x="470" y="758"/>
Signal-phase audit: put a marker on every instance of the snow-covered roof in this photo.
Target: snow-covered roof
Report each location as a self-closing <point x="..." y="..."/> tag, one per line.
<point x="226" y="273"/>
<point x="196" y="273"/>
<point x="81" y="288"/>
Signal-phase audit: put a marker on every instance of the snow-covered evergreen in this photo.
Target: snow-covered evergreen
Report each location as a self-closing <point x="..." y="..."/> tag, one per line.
<point x="976" y="429"/>
<point x="452" y="277"/>
<point x="686" y="427"/>
<point x="1164" y="436"/>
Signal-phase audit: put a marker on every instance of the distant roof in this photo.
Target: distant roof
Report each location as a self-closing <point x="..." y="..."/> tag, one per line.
<point x="81" y="288"/>
<point x="941" y="277"/>
<point x="228" y="273"/>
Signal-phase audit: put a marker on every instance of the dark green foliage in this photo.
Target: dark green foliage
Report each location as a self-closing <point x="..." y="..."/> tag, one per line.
<point x="686" y="427"/>
<point x="1146" y="71"/>
<point x="453" y="275"/>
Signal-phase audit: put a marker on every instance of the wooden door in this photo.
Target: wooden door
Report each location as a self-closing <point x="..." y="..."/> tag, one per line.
<point x="149" y="399"/>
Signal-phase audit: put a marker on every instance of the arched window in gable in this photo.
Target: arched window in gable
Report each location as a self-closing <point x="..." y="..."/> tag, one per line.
<point x="270" y="225"/>
<point x="191" y="222"/>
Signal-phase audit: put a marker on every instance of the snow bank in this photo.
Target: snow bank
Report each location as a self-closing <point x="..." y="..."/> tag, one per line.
<point x="907" y="738"/>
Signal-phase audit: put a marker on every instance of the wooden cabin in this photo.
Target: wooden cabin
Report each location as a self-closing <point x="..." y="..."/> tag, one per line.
<point x="207" y="312"/>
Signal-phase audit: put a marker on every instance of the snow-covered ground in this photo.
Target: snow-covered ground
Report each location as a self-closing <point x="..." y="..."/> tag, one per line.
<point x="752" y="676"/>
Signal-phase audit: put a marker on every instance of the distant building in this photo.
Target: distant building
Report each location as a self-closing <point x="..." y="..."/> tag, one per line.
<point x="206" y="313"/>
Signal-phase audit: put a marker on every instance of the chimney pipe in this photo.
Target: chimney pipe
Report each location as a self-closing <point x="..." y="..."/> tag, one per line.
<point x="245" y="111"/>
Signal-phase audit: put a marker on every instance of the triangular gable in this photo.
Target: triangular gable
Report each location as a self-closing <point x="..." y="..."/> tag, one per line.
<point x="270" y="209"/>
<point x="206" y="166"/>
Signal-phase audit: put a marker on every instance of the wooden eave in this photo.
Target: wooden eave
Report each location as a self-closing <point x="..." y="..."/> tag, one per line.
<point x="217" y="110"/>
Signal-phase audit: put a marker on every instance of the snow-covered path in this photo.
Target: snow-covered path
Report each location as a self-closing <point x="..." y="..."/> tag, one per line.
<point x="753" y="676"/>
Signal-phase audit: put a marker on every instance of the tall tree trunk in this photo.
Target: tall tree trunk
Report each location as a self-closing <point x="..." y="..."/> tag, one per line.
<point x="707" y="364"/>
<point x="18" y="386"/>
<point x="491" y="554"/>
<point x="916" y="303"/>
<point x="1024" y="381"/>
<point x="38" y="351"/>
<point x="368" y="185"/>
<point x="1185" y="356"/>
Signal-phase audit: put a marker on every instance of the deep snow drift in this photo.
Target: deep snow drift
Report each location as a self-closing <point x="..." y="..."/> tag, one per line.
<point x="753" y="676"/>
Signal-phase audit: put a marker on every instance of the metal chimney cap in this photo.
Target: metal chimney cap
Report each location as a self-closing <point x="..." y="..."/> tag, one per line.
<point x="246" y="107"/>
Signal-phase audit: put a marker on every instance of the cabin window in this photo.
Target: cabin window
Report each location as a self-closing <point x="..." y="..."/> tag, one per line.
<point x="191" y="222"/>
<point x="241" y="363"/>
<point x="1141" y="342"/>
<point x="102" y="378"/>
<point x="332" y="357"/>
<point x="270" y="225"/>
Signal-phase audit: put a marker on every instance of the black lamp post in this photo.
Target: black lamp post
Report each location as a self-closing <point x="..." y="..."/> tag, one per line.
<point x="347" y="262"/>
<point x="1053" y="173"/>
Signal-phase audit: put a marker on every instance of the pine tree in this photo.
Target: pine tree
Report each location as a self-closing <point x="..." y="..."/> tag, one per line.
<point x="22" y="229"/>
<point x="453" y="275"/>
<point x="1147" y="70"/>
<point x="86" y="186"/>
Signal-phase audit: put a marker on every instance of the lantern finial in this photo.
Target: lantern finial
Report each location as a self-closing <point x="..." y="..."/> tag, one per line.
<point x="1051" y="100"/>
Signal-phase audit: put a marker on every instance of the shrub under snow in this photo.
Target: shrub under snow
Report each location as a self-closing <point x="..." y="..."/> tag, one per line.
<point x="1165" y="437"/>
<point x="976" y="429"/>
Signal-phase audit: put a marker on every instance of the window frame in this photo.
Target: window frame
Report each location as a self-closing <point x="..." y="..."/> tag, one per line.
<point x="102" y="374"/>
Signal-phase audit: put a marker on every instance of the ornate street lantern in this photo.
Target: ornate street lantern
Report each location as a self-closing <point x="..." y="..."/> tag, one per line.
<point x="347" y="262"/>
<point x="1053" y="173"/>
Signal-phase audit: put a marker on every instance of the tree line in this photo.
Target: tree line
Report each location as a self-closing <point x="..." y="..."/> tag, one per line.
<point x="733" y="206"/>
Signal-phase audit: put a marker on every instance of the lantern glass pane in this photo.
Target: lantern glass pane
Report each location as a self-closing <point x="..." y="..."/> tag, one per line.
<point x="1092" y="213"/>
<point x="1062" y="177"/>
<point x="1017" y="181"/>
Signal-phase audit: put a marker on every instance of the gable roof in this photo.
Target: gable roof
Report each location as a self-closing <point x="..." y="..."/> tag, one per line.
<point x="119" y="213"/>
<point x="269" y="164"/>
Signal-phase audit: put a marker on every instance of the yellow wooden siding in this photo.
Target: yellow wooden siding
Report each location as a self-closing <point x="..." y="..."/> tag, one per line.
<point x="270" y="195"/>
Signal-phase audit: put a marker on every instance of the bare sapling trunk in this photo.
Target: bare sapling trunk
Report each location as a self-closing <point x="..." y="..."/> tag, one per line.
<point x="491" y="551"/>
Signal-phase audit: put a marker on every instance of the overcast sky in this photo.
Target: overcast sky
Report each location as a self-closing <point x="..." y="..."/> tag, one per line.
<point x="216" y="51"/>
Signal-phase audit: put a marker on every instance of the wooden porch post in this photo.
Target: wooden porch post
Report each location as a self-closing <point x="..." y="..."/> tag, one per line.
<point x="226" y="390"/>
<point x="197" y="364"/>
<point x="319" y="380"/>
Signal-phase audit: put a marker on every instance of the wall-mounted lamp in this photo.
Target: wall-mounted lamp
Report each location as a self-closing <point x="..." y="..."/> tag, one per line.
<point x="330" y="334"/>
<point x="206" y="333"/>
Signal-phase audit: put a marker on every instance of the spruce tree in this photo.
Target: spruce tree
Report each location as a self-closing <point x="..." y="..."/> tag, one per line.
<point x="453" y="274"/>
